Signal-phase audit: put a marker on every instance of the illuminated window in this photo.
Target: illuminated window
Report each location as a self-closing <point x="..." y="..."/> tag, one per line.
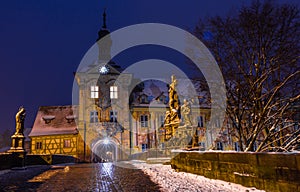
<point x="200" y="121"/>
<point x="113" y="92"/>
<point x="94" y="92"/>
<point x="113" y="116"/>
<point x="67" y="143"/>
<point x="144" y="120"/>
<point x="38" y="145"/>
<point x="93" y="117"/>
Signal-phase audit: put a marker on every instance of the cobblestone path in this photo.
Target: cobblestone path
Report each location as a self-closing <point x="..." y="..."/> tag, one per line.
<point x="80" y="177"/>
<point x="138" y="176"/>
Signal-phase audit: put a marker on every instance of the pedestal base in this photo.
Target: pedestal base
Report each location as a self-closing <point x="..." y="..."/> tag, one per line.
<point x="18" y="151"/>
<point x="17" y="145"/>
<point x="184" y="137"/>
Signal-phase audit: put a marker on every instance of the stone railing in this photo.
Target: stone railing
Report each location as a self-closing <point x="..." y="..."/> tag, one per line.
<point x="268" y="171"/>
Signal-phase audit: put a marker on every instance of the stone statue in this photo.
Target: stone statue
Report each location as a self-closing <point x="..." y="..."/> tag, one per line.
<point x="186" y="111"/>
<point x="172" y="116"/>
<point x="173" y="101"/>
<point x="20" y="118"/>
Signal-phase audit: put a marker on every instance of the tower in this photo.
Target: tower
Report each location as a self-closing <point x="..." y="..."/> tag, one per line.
<point x="105" y="128"/>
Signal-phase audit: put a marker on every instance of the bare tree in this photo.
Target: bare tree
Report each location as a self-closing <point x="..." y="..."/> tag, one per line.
<point x="258" y="52"/>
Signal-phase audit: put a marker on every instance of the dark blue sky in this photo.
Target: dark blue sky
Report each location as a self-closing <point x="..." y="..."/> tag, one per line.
<point x="43" y="41"/>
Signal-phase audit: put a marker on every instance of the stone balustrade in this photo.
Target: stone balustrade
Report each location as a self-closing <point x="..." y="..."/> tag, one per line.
<point x="268" y="171"/>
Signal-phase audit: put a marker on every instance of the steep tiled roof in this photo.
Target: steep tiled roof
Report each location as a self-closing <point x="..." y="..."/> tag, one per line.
<point x="55" y="120"/>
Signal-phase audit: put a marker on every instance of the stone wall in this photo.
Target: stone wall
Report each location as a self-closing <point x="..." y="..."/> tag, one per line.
<point x="268" y="171"/>
<point x="49" y="159"/>
<point x="10" y="160"/>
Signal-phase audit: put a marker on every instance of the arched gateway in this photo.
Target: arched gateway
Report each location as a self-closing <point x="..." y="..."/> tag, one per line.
<point x="105" y="150"/>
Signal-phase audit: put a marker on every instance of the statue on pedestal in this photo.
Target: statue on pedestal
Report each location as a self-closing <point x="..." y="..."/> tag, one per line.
<point x="18" y="138"/>
<point x="177" y="136"/>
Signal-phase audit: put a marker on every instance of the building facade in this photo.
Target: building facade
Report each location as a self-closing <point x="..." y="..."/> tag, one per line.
<point x="117" y="115"/>
<point x="55" y="132"/>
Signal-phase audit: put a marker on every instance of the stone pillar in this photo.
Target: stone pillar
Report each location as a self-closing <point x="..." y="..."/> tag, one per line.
<point x="18" y="151"/>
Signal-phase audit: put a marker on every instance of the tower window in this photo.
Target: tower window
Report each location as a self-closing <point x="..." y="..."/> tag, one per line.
<point x="94" y="92"/>
<point x="93" y="117"/>
<point x="113" y="116"/>
<point x="113" y="92"/>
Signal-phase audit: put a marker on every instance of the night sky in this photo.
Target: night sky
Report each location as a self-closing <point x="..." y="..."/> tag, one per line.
<point x="43" y="41"/>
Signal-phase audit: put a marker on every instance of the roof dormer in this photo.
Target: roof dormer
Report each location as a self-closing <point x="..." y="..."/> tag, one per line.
<point x="48" y="118"/>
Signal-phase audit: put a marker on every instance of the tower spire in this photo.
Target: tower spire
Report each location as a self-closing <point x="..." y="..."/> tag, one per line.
<point x="104" y="19"/>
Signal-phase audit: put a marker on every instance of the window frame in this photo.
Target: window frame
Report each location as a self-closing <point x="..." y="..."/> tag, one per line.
<point x="38" y="145"/>
<point x="113" y="116"/>
<point x="67" y="143"/>
<point x="144" y="119"/>
<point x="94" y="92"/>
<point x="94" y="117"/>
<point x="113" y="92"/>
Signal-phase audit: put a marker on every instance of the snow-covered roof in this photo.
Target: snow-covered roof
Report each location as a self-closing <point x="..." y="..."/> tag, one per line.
<point x="186" y="89"/>
<point x="55" y="120"/>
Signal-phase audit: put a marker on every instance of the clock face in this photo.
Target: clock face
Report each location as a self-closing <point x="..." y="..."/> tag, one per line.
<point x="103" y="69"/>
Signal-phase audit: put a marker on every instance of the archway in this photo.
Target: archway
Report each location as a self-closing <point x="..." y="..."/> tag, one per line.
<point x="105" y="150"/>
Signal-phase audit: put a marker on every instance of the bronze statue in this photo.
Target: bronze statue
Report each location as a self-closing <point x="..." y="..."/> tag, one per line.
<point x="20" y="118"/>
<point x="186" y="111"/>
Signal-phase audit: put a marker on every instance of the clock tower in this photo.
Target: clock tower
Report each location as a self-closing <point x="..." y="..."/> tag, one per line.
<point x="103" y="114"/>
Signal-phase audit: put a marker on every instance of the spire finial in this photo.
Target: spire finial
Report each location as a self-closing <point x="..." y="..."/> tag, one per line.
<point x="104" y="19"/>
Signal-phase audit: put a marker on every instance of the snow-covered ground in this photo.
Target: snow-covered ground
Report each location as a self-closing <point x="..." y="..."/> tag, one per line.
<point x="170" y="180"/>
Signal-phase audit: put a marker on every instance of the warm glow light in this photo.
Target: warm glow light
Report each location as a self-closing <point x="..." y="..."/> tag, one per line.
<point x="106" y="141"/>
